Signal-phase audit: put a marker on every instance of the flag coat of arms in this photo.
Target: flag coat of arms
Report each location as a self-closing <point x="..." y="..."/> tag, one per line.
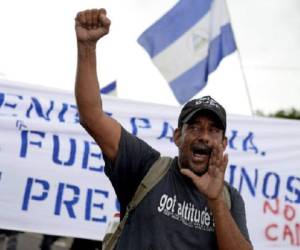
<point x="188" y="43"/>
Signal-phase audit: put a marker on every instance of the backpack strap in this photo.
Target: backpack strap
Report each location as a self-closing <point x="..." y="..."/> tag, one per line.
<point x="156" y="172"/>
<point x="154" y="175"/>
<point x="226" y="195"/>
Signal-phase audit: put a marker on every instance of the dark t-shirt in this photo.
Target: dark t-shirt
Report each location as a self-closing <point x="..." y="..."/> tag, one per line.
<point x="174" y="214"/>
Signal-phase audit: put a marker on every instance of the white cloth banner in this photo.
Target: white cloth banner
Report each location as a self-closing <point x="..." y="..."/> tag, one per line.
<point x="52" y="179"/>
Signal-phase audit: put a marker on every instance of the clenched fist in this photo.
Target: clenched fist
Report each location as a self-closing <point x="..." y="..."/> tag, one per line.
<point x="91" y="25"/>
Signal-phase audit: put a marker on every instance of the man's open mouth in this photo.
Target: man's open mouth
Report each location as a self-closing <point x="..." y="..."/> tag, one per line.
<point x="201" y="151"/>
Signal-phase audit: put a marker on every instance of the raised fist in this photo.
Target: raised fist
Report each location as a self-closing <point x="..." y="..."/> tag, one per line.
<point x="91" y="25"/>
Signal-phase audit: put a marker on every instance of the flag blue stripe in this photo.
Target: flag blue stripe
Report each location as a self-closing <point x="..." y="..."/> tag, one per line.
<point x="173" y="24"/>
<point x="109" y="88"/>
<point x="193" y="80"/>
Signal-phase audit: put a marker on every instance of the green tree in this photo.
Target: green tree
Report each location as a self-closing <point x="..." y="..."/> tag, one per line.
<point x="288" y="114"/>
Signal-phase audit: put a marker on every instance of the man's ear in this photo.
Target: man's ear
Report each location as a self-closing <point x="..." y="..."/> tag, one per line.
<point x="176" y="136"/>
<point x="224" y="142"/>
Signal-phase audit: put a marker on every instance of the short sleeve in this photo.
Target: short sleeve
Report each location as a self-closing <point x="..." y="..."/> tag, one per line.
<point x="238" y="212"/>
<point x="134" y="158"/>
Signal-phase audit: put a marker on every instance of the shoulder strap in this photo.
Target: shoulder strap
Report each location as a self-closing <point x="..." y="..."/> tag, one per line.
<point x="226" y="195"/>
<point x="156" y="172"/>
<point x="154" y="175"/>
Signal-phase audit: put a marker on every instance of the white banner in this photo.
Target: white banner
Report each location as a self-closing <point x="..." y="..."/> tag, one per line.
<point x="52" y="179"/>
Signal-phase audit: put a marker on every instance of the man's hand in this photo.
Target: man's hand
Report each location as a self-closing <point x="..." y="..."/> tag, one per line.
<point x="91" y="25"/>
<point x="211" y="183"/>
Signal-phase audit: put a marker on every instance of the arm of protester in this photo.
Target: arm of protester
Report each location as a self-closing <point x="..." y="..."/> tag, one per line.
<point x="211" y="184"/>
<point x="228" y="234"/>
<point x="90" y="26"/>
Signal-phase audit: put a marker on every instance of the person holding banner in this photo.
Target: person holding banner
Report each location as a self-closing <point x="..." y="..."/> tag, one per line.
<point x="187" y="209"/>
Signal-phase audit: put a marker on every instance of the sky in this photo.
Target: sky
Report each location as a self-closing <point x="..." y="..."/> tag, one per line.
<point x="38" y="47"/>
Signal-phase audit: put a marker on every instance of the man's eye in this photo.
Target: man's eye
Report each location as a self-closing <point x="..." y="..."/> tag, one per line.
<point x="215" y="130"/>
<point x="193" y="127"/>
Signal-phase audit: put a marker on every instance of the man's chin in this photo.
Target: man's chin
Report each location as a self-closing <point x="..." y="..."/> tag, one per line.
<point x="199" y="170"/>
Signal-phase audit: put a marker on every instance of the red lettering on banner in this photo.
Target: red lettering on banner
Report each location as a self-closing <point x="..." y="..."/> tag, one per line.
<point x="298" y="234"/>
<point x="289" y="215"/>
<point x="268" y="232"/>
<point x="267" y="205"/>
<point x="290" y="231"/>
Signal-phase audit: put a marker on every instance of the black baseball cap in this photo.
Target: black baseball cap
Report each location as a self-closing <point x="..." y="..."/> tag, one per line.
<point x="205" y="104"/>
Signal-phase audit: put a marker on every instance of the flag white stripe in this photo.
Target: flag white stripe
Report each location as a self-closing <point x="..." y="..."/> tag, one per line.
<point x="192" y="47"/>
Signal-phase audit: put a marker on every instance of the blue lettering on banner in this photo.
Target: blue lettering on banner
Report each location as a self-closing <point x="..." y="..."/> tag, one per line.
<point x="246" y="143"/>
<point x="68" y="203"/>
<point x="37" y="108"/>
<point x="232" y="170"/>
<point x="275" y="187"/>
<point x="135" y="124"/>
<point x="292" y="183"/>
<point x="64" y="154"/>
<point x="67" y="198"/>
<point x="48" y="110"/>
<point x="5" y="101"/>
<point x="167" y="129"/>
<point x="72" y="152"/>
<point x="66" y="107"/>
<point x="232" y="138"/>
<point x="27" y="195"/>
<point x="1" y="99"/>
<point x="87" y="154"/>
<point x="252" y="185"/>
<point x="90" y="205"/>
<point x="25" y="141"/>
<point x="63" y="111"/>
<point x="247" y="180"/>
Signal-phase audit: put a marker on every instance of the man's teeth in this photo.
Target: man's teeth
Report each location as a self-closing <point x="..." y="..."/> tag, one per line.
<point x="198" y="155"/>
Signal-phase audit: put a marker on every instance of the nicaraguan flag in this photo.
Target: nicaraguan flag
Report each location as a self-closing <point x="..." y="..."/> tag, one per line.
<point x="188" y="43"/>
<point x="110" y="89"/>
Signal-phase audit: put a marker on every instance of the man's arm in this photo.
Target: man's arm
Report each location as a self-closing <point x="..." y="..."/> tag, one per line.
<point x="90" y="26"/>
<point x="211" y="184"/>
<point x="228" y="234"/>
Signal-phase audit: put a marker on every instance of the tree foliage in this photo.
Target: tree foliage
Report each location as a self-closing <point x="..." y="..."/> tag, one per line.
<point x="287" y="114"/>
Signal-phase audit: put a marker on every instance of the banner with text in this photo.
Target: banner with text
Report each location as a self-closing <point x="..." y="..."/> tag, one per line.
<point x="52" y="177"/>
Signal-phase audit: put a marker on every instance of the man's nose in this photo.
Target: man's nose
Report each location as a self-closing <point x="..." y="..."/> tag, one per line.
<point x="204" y="135"/>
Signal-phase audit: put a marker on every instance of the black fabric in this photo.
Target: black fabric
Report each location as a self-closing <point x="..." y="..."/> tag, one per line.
<point x="174" y="215"/>
<point x="85" y="244"/>
<point x="133" y="161"/>
<point x="205" y="103"/>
